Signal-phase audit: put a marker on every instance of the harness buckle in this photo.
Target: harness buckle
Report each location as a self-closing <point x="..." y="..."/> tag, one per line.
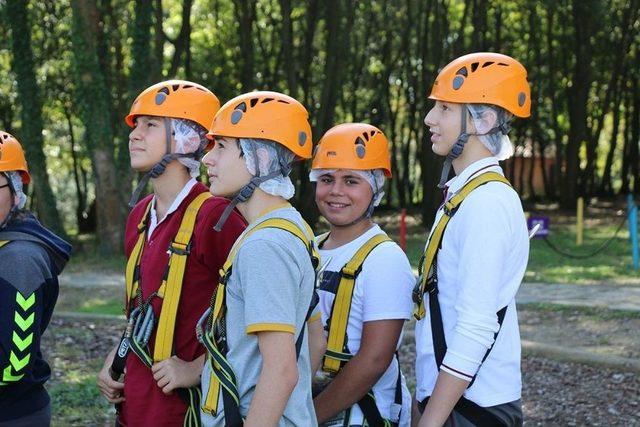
<point x="180" y="249"/>
<point x="350" y="273"/>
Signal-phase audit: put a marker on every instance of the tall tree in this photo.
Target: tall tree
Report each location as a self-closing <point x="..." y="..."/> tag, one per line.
<point x="31" y="112"/>
<point x="94" y="101"/>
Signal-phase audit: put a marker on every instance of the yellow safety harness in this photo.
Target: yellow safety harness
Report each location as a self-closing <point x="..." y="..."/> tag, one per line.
<point x="427" y="267"/>
<point x="338" y="354"/>
<point x="169" y="290"/>
<point x="213" y="334"/>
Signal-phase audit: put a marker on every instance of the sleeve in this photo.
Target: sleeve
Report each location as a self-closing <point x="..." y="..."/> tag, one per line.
<point x="484" y="245"/>
<point x="213" y="246"/>
<point x="21" y="313"/>
<point x="269" y="278"/>
<point x="387" y="282"/>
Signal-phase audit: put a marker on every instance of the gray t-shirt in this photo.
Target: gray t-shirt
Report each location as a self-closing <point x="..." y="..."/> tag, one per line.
<point x="270" y="289"/>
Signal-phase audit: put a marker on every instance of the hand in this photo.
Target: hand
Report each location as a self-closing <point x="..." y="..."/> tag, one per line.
<point x="174" y="373"/>
<point x="110" y="389"/>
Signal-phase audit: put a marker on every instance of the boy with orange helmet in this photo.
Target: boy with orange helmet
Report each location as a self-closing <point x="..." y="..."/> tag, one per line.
<point x="365" y="289"/>
<point x="259" y="367"/>
<point x="468" y="345"/>
<point x="174" y="257"/>
<point x="31" y="258"/>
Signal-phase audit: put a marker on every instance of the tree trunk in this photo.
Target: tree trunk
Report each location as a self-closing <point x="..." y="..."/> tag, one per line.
<point x="93" y="99"/>
<point x="30" y="136"/>
<point x="245" y="13"/>
<point x="578" y="97"/>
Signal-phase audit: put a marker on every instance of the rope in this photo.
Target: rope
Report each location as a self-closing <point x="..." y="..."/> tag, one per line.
<point x="588" y="255"/>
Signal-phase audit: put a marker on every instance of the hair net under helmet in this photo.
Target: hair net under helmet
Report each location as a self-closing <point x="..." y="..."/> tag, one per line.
<point x="498" y="143"/>
<point x="270" y="165"/>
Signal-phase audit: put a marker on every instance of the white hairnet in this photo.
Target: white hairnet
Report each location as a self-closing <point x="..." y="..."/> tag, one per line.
<point x="497" y="143"/>
<point x="271" y="157"/>
<point x="190" y="137"/>
<point x="375" y="178"/>
<point x="16" y="183"/>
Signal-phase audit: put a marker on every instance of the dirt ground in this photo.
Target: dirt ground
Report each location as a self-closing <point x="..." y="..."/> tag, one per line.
<point x="554" y="393"/>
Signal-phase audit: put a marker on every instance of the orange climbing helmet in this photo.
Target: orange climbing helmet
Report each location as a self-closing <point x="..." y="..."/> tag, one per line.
<point x="358" y="146"/>
<point x="485" y="78"/>
<point x="265" y="115"/>
<point x="12" y="157"/>
<point x="180" y="99"/>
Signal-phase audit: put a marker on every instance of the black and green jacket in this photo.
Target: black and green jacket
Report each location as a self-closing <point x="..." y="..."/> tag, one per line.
<point x="29" y="266"/>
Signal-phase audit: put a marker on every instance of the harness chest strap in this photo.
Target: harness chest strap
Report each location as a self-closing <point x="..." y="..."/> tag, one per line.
<point x="450" y="207"/>
<point x="171" y="287"/>
<point x="222" y="374"/>
<point x="336" y="355"/>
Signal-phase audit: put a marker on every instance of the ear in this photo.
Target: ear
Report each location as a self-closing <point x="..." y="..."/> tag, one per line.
<point x="263" y="159"/>
<point x="486" y="121"/>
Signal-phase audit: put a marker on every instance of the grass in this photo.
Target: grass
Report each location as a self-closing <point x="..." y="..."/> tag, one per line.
<point x="597" y="312"/>
<point x="91" y="299"/>
<point x="613" y="265"/>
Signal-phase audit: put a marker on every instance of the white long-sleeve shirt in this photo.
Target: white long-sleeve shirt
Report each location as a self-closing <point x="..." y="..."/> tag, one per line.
<point x="481" y="264"/>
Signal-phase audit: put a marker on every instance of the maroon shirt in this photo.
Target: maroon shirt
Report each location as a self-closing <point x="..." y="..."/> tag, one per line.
<point x="145" y="402"/>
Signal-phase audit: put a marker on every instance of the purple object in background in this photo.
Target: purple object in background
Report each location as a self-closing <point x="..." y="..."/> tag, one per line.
<point x="543" y="231"/>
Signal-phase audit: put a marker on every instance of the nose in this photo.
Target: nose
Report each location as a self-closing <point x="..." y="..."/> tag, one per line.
<point x="336" y="188"/>
<point x="208" y="159"/>
<point x="135" y="134"/>
<point x="429" y="119"/>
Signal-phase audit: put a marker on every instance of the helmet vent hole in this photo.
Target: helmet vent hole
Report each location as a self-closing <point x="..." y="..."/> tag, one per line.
<point x="359" y="141"/>
<point x="373" y="132"/>
<point x="474" y="66"/>
<point x="253" y="102"/>
<point x="200" y="88"/>
<point x="187" y="86"/>
<point x="503" y="64"/>
<point x="366" y="136"/>
<point x="331" y="154"/>
<point x="164" y="90"/>
<point x="486" y="64"/>
<point x="284" y="102"/>
<point x="175" y="87"/>
<point x="242" y="107"/>
<point x="264" y="101"/>
<point x="462" y="72"/>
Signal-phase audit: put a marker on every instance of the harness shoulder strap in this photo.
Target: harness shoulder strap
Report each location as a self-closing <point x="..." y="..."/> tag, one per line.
<point x="3" y="242"/>
<point x="336" y="355"/>
<point x="133" y="262"/>
<point x="171" y="287"/>
<point x="222" y="379"/>
<point x="427" y="272"/>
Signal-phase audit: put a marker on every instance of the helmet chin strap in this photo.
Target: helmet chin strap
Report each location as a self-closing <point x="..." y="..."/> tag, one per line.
<point x="159" y="168"/>
<point x="243" y="195"/>
<point x="463" y="138"/>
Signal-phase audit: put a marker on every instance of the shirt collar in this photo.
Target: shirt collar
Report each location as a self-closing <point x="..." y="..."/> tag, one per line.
<point x="457" y="182"/>
<point x="176" y="202"/>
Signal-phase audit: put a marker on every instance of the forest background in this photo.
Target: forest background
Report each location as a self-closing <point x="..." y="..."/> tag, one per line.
<point x="70" y="70"/>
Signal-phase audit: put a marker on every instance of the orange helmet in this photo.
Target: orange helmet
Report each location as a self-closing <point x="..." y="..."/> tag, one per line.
<point x="12" y="157"/>
<point x="359" y="146"/>
<point x="178" y="99"/>
<point x="265" y="115"/>
<point x="485" y="78"/>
